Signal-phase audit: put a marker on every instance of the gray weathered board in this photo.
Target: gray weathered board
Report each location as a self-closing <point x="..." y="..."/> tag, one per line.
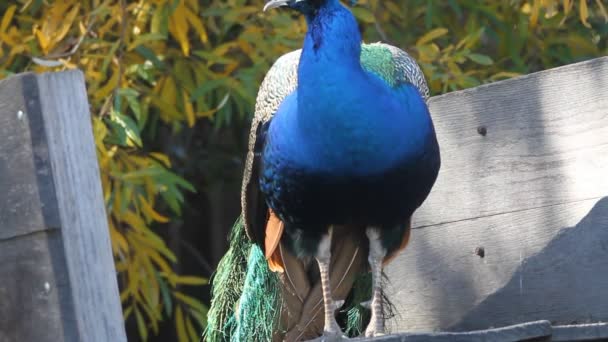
<point x="532" y="193"/>
<point x="537" y="331"/>
<point x="57" y="276"/>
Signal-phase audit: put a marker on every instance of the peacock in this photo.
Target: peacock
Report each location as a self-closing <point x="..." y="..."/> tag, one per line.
<point x="342" y="152"/>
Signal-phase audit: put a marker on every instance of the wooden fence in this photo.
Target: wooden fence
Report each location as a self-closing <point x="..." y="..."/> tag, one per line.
<point x="516" y="228"/>
<point x="57" y="276"/>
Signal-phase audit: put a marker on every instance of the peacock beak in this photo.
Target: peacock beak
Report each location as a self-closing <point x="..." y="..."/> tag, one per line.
<point x="279" y="3"/>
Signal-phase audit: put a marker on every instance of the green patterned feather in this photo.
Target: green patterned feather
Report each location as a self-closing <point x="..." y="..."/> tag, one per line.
<point x="227" y="286"/>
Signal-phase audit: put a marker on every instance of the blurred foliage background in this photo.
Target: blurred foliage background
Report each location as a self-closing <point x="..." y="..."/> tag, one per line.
<point x="172" y="84"/>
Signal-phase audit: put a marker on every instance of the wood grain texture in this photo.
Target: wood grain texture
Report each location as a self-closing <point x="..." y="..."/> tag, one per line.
<point x="24" y="169"/>
<point x="532" y="331"/>
<point x="546" y="135"/>
<point x="58" y="277"/>
<point x="581" y="332"/>
<point x="531" y="192"/>
<point x="36" y="302"/>
<point x="84" y="226"/>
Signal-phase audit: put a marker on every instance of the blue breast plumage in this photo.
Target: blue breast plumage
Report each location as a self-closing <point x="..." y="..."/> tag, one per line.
<point x="353" y="151"/>
<point x="309" y="199"/>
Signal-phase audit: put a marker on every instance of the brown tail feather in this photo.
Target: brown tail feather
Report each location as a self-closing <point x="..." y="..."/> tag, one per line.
<point x="274" y="231"/>
<point x="405" y="240"/>
<point x="302" y="312"/>
<point x="304" y="319"/>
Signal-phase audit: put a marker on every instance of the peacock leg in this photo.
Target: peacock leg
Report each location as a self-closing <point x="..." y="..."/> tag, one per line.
<point x="323" y="256"/>
<point x="376" y="256"/>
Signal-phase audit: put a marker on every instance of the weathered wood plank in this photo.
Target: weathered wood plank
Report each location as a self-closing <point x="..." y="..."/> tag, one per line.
<point x="531" y="193"/>
<point x="532" y="331"/>
<point x="546" y="134"/>
<point x="84" y="224"/>
<point x="22" y="151"/>
<point x="54" y="240"/>
<point x="543" y="263"/>
<point x="35" y="290"/>
<point x="581" y="332"/>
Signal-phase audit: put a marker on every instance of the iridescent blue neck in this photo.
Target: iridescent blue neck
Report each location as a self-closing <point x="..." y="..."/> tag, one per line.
<point x="331" y="51"/>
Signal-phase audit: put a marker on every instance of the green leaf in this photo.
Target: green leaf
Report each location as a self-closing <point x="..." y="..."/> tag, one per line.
<point x="165" y="293"/>
<point x="141" y="326"/>
<point x="144" y="38"/>
<point x="480" y="59"/>
<point x="363" y="14"/>
<point x="128" y="125"/>
<point x="149" y="55"/>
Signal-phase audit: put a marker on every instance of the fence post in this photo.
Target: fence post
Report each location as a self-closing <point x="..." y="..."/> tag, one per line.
<point x="57" y="276"/>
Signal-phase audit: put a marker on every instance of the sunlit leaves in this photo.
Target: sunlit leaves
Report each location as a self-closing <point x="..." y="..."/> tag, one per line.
<point x="461" y="44"/>
<point x="129" y="59"/>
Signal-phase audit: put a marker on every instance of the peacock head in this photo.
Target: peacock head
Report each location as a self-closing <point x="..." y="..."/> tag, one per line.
<point x="306" y="7"/>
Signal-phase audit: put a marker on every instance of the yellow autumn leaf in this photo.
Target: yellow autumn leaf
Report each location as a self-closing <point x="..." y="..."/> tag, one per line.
<point x="602" y="10"/>
<point x="189" y="110"/>
<point x="584" y="13"/>
<point x="110" y="85"/>
<point x="190" y="280"/>
<point x="66" y="23"/>
<point x="134" y="220"/>
<point x="180" y="326"/>
<point x="431" y="35"/>
<point x="163" y="158"/>
<point x="178" y="26"/>
<point x="169" y="91"/>
<point x="192" y="302"/>
<point x="119" y="243"/>
<point x="149" y="211"/>
<point x="43" y="40"/>
<point x="151" y="239"/>
<point x="6" y="18"/>
<point x="196" y="23"/>
<point x="534" y="13"/>
<point x="163" y="265"/>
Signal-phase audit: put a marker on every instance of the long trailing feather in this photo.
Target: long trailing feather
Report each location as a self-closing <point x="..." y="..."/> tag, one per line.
<point x="260" y="305"/>
<point x="227" y="286"/>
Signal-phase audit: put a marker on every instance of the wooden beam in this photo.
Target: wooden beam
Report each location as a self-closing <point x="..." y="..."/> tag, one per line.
<point x="58" y="277"/>
<point x="580" y="332"/>
<point x="538" y="331"/>
<point x="523" y="179"/>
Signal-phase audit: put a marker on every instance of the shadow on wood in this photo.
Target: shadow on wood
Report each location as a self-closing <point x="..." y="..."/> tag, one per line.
<point x="563" y="277"/>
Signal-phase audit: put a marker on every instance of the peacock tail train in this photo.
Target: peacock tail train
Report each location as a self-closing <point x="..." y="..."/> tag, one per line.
<point x="227" y="286"/>
<point x="248" y="297"/>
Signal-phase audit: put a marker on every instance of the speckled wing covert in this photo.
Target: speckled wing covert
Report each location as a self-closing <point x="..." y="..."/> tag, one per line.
<point x="390" y="63"/>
